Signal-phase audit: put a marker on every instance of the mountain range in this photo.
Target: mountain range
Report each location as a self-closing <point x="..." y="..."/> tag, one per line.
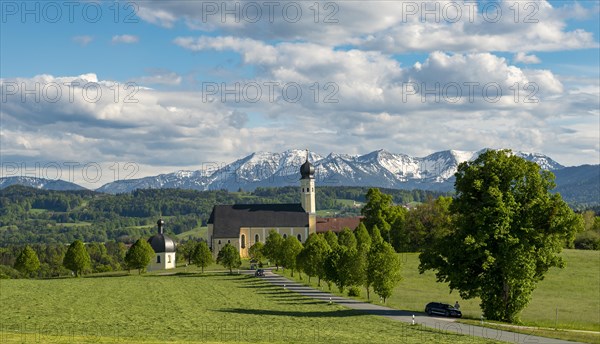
<point x="580" y="184"/>
<point x="379" y="168"/>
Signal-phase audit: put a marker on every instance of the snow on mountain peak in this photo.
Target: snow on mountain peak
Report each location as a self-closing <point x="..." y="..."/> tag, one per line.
<point x="379" y="168"/>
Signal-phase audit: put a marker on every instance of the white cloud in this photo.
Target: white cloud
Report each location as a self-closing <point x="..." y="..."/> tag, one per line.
<point x="370" y="111"/>
<point x="522" y="57"/>
<point x="83" y="40"/>
<point x="387" y="26"/>
<point x="126" y="39"/>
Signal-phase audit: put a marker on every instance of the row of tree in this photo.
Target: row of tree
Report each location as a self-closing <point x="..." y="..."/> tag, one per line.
<point x="350" y="260"/>
<point x="104" y="257"/>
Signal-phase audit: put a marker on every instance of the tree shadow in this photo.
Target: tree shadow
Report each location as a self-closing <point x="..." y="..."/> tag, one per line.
<point x="311" y="314"/>
<point x="107" y="275"/>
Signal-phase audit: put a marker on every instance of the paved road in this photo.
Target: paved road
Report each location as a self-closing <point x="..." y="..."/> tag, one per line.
<point x="445" y="324"/>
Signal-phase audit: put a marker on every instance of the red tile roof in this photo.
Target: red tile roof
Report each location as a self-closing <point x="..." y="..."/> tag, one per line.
<point x="337" y="224"/>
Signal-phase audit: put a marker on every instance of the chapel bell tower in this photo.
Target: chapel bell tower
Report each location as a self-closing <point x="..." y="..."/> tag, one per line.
<point x="307" y="186"/>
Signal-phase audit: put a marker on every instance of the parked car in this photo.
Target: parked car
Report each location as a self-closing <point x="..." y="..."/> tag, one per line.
<point x="442" y="309"/>
<point x="259" y="272"/>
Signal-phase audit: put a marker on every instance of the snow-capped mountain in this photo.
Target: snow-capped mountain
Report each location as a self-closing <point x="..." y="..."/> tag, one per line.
<point x="379" y="168"/>
<point x="39" y="183"/>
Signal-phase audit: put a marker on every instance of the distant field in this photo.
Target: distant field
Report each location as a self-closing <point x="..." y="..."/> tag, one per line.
<point x="38" y="211"/>
<point x="187" y="308"/>
<point x="574" y="290"/>
<point x="200" y="232"/>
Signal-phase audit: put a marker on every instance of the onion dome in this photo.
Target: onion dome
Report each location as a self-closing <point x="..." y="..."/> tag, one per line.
<point x="307" y="170"/>
<point x="160" y="242"/>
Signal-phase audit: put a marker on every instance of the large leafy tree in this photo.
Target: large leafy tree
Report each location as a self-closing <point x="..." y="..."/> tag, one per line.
<point x="229" y="257"/>
<point x="274" y="247"/>
<point x="202" y="256"/>
<point x="139" y="255"/>
<point x="290" y="249"/>
<point x="27" y="262"/>
<point x="509" y="230"/>
<point x="77" y="259"/>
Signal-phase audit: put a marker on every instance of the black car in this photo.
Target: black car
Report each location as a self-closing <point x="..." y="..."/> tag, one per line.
<point x="442" y="309"/>
<point x="259" y="272"/>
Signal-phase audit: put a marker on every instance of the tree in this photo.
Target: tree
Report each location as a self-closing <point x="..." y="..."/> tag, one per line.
<point x="312" y="257"/>
<point x="330" y="265"/>
<point x="27" y="262"/>
<point x="362" y="256"/>
<point x="256" y="252"/>
<point x="187" y="249"/>
<point x="422" y="225"/>
<point x="331" y="239"/>
<point x="290" y="249"/>
<point x="77" y="258"/>
<point x="273" y="248"/>
<point x="348" y="272"/>
<point x="384" y="268"/>
<point x="139" y="255"/>
<point x="229" y="257"/>
<point x="378" y="212"/>
<point x="362" y="235"/>
<point x="508" y="231"/>
<point x="202" y="256"/>
<point x="375" y="236"/>
<point x="397" y="228"/>
<point x="346" y="238"/>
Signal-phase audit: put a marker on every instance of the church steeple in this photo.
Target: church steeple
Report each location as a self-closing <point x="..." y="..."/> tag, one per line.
<point x="307" y="186"/>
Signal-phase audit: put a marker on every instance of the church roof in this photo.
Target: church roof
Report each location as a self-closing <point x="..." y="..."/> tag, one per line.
<point x="337" y="224"/>
<point x="307" y="170"/>
<point x="227" y="219"/>
<point x="160" y="242"/>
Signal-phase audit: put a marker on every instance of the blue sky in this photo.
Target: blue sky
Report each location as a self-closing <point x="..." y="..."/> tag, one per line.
<point x="172" y="51"/>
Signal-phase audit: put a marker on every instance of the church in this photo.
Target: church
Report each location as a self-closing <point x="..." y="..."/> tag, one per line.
<point x="242" y="225"/>
<point x="164" y="249"/>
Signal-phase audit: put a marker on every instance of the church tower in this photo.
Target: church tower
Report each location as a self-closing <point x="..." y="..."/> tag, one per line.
<point x="307" y="186"/>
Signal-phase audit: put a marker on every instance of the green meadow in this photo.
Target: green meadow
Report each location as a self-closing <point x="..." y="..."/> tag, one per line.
<point x="574" y="291"/>
<point x="187" y="308"/>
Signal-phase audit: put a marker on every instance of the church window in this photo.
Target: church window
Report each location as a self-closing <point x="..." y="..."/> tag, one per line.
<point x="219" y="242"/>
<point x="243" y="241"/>
<point x="229" y="241"/>
<point x="256" y="238"/>
<point x="169" y="259"/>
<point x="285" y="236"/>
<point x="299" y="237"/>
<point x="158" y="259"/>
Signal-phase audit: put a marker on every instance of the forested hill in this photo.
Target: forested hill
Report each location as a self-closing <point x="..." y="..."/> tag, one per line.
<point x="29" y="215"/>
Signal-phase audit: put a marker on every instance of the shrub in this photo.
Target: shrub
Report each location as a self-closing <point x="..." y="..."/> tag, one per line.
<point x="354" y="291"/>
<point x="8" y="272"/>
<point x="588" y="240"/>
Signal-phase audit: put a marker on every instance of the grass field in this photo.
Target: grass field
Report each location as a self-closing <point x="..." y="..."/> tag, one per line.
<point x="187" y="308"/>
<point x="574" y="290"/>
<point x="199" y="232"/>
